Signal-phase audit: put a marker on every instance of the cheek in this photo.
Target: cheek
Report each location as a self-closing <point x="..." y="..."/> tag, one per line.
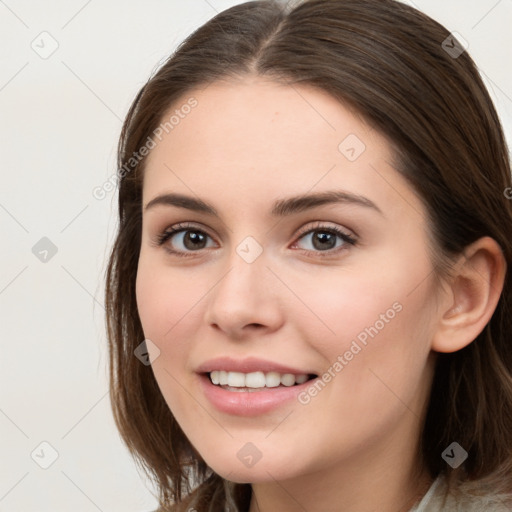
<point x="164" y="299"/>
<point x="378" y="356"/>
<point x="380" y="322"/>
<point x="347" y="306"/>
<point x="151" y="302"/>
<point x="165" y="308"/>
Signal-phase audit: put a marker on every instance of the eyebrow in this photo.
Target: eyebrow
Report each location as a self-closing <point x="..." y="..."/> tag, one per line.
<point x="281" y="208"/>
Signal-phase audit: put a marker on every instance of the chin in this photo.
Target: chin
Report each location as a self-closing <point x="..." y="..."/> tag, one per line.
<point x="246" y="476"/>
<point x="260" y="471"/>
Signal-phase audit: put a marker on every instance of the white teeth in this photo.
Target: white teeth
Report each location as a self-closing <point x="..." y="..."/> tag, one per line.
<point x="288" y="379"/>
<point x="236" y="379"/>
<point x="272" y="379"/>
<point x="223" y="378"/>
<point x="256" y="379"/>
<point x="300" y="379"/>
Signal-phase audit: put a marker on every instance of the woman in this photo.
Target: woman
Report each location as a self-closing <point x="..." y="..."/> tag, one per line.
<point x="308" y="301"/>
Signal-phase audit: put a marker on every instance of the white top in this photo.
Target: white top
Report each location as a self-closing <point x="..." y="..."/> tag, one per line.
<point x="429" y="496"/>
<point x="433" y="501"/>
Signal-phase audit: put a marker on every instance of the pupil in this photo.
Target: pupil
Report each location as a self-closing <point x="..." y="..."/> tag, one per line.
<point x="193" y="236"/>
<point x="323" y="237"/>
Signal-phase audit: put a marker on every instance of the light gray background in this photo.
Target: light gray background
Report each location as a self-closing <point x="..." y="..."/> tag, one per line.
<point x="60" y="120"/>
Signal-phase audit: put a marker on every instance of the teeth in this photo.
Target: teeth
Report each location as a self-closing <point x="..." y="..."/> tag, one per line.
<point x="236" y="379"/>
<point x="288" y="379"/>
<point x="256" y="379"/>
<point x="300" y="379"/>
<point x="272" y="379"/>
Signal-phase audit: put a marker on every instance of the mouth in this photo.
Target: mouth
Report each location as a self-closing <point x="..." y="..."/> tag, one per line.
<point x="256" y="381"/>
<point x="252" y="386"/>
<point x="247" y="394"/>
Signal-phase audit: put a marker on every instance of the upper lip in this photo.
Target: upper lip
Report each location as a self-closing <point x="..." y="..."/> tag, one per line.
<point x="247" y="365"/>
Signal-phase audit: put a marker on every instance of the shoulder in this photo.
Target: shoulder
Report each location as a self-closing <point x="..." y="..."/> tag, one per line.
<point x="462" y="500"/>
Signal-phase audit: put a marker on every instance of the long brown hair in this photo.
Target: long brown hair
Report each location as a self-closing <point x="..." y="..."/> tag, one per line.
<point x="390" y="63"/>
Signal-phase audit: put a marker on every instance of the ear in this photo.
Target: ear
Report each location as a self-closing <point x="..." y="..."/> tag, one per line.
<point x="473" y="293"/>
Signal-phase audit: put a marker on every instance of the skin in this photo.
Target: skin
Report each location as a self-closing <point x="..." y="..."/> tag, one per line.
<point x="245" y="145"/>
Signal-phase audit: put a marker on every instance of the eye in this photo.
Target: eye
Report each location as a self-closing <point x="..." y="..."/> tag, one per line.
<point x="186" y="235"/>
<point x="324" y="239"/>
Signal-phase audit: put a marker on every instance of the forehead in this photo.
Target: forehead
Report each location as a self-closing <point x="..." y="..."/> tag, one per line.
<point x="260" y="136"/>
<point x="255" y="115"/>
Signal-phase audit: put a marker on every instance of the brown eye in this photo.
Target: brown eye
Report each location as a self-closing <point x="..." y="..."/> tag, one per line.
<point x="181" y="240"/>
<point x="324" y="239"/>
<point x="191" y="239"/>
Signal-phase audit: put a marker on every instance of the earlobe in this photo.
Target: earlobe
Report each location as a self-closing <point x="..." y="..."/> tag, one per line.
<point x="474" y="292"/>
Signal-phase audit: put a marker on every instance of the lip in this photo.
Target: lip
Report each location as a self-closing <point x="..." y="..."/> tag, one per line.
<point x="248" y="365"/>
<point x="251" y="403"/>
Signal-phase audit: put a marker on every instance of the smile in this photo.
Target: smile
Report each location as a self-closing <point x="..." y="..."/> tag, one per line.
<point x="238" y="381"/>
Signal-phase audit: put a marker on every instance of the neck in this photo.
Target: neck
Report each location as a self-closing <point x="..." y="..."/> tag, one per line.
<point x="384" y="497"/>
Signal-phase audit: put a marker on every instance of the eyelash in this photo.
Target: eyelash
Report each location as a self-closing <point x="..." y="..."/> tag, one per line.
<point x="166" y="235"/>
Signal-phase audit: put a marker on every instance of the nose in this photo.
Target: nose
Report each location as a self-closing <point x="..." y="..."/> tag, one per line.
<point x="245" y="300"/>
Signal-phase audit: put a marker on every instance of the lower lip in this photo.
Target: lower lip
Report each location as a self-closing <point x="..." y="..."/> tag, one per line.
<point x="250" y="403"/>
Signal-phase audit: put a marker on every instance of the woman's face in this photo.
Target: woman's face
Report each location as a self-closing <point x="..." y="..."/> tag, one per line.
<point x="260" y="289"/>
